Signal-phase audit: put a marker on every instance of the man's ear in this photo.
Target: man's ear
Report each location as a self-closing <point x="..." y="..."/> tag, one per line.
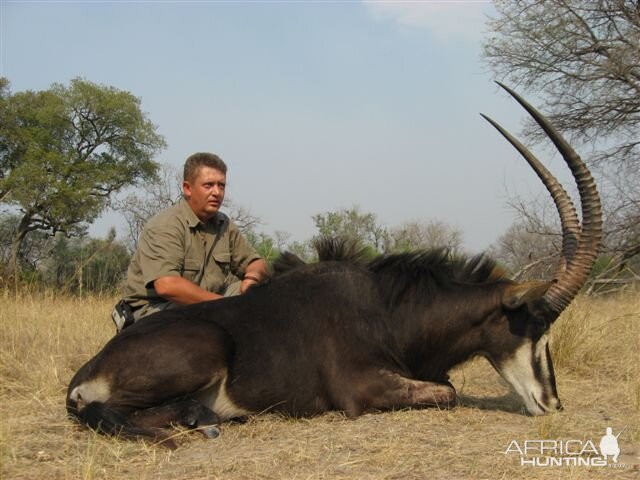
<point x="186" y="189"/>
<point x="518" y="294"/>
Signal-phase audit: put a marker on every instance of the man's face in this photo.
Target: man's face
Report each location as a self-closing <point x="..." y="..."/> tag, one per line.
<point x="206" y="192"/>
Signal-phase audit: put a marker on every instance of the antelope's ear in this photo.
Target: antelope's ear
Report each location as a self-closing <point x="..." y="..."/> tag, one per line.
<point x="518" y="294"/>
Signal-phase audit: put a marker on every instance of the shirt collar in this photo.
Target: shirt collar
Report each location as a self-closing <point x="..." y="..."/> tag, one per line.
<point x="192" y="219"/>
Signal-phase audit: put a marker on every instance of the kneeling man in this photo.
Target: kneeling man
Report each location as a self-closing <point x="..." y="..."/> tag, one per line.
<point x="190" y="252"/>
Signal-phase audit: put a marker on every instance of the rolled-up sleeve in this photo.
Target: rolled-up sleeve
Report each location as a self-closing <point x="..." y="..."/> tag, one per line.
<point x="161" y="253"/>
<point x="242" y="253"/>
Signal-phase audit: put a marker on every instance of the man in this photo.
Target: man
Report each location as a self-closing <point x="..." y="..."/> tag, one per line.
<point x="190" y="252"/>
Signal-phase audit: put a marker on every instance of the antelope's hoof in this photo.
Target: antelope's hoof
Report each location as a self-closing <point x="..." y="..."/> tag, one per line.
<point x="210" y="431"/>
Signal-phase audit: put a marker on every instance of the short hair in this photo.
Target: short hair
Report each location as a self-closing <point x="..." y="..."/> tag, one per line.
<point x="202" y="159"/>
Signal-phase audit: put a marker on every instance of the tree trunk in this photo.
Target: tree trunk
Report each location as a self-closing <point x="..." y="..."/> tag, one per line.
<point x="16" y="243"/>
<point x="4" y="194"/>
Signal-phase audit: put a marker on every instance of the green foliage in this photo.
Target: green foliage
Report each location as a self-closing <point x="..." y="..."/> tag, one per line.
<point x="354" y="225"/>
<point x="601" y="266"/>
<point x="263" y="244"/>
<point x="65" y="150"/>
<point x="80" y="265"/>
<point x="363" y="227"/>
<point x="303" y="250"/>
<point x="72" y="265"/>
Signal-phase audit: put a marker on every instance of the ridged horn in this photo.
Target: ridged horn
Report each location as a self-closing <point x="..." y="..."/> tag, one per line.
<point x="568" y="217"/>
<point x="577" y="257"/>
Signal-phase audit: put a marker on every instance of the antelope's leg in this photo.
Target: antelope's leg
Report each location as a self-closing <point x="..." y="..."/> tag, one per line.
<point x="189" y="413"/>
<point x="387" y="390"/>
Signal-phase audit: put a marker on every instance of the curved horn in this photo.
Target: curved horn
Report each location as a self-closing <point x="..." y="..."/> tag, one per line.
<point x="568" y="216"/>
<point x="563" y="292"/>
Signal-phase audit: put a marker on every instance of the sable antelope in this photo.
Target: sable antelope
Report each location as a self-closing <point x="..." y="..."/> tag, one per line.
<point x="344" y="333"/>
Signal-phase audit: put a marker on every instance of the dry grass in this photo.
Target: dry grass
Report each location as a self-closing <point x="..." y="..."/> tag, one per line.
<point x="44" y="339"/>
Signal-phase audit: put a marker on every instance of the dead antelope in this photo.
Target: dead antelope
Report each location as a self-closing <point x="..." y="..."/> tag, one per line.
<point x="344" y="333"/>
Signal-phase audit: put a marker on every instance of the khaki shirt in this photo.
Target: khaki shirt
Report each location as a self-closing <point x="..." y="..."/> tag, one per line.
<point x="174" y="242"/>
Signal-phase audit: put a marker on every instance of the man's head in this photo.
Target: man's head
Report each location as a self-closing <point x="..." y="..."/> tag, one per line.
<point x="205" y="177"/>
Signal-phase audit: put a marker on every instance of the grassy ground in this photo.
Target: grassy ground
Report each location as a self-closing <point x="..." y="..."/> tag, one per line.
<point x="44" y="339"/>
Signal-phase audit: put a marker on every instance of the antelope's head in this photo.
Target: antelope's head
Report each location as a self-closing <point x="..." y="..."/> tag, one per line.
<point x="520" y="349"/>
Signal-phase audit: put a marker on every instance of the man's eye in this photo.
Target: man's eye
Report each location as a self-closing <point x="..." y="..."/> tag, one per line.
<point x="209" y="186"/>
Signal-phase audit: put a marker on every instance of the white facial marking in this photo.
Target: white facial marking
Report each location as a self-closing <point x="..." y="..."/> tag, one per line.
<point x="518" y="371"/>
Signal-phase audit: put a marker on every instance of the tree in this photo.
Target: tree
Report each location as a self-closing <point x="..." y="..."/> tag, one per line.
<point x="263" y="244"/>
<point x="154" y="195"/>
<point x="33" y="252"/>
<point x="246" y="221"/>
<point x="64" y="151"/>
<point x="303" y="250"/>
<point x="355" y="225"/>
<point x="61" y="268"/>
<point x="584" y="60"/>
<point x="584" y="57"/>
<point x="622" y="220"/>
<point x="102" y="264"/>
<point x="526" y="253"/>
<point x="5" y="119"/>
<point x="424" y="235"/>
<point x="363" y="227"/>
<point x="86" y="264"/>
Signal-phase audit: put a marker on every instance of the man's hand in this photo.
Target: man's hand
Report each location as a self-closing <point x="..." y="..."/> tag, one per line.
<point x="247" y="283"/>
<point x="256" y="272"/>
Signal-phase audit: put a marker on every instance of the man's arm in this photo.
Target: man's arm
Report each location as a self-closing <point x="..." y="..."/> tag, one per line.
<point x="182" y="291"/>
<point x="256" y="271"/>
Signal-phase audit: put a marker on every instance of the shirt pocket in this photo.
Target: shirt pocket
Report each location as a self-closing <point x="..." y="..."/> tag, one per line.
<point x="223" y="259"/>
<point x="192" y="270"/>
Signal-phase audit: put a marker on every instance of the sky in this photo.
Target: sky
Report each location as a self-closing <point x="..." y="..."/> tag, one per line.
<point x="315" y="106"/>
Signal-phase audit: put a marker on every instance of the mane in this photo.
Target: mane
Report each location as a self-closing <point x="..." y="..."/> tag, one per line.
<point x="328" y="249"/>
<point x="340" y="249"/>
<point x="285" y="262"/>
<point x="423" y="272"/>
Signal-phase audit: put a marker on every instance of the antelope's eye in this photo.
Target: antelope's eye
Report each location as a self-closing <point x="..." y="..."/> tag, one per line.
<point x="540" y="325"/>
